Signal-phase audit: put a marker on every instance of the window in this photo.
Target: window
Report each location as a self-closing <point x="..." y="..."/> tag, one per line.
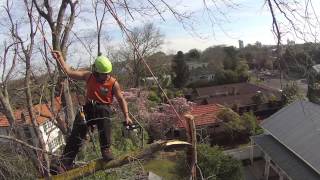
<point x="55" y="143"/>
<point x="47" y="126"/>
<point x="60" y="138"/>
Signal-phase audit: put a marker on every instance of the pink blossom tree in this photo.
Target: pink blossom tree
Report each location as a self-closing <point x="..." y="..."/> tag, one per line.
<point x="157" y="119"/>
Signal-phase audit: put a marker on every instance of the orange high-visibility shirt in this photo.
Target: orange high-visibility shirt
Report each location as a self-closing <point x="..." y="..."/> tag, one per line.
<point x="100" y="92"/>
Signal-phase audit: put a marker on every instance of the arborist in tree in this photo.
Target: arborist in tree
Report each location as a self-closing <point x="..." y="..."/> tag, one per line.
<point x="100" y="87"/>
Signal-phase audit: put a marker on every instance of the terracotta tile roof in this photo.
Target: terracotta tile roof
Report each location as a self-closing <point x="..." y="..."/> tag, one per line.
<point x="42" y="112"/>
<point x="204" y="114"/>
<point x="3" y="122"/>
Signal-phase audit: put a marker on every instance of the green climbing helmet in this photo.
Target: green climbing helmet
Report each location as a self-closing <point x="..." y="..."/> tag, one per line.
<point x="102" y="64"/>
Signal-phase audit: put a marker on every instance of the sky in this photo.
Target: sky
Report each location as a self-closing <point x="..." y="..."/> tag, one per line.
<point x="246" y="23"/>
<point x="249" y="21"/>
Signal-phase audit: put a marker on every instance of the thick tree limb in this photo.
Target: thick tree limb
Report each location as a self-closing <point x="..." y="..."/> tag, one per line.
<point x="69" y="25"/>
<point x="101" y="165"/>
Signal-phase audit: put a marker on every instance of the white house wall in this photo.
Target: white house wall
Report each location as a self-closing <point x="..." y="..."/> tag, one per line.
<point x="49" y="137"/>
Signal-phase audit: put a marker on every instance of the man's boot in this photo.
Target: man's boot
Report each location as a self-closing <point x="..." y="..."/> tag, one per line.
<point x="107" y="154"/>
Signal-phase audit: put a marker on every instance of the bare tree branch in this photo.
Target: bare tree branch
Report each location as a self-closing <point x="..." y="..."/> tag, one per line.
<point x="27" y="145"/>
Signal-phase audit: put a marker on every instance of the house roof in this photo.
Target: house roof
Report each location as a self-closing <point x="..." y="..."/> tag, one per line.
<point x="293" y="166"/>
<point x="231" y="100"/>
<point x="239" y="88"/>
<point x="42" y="113"/>
<point x="237" y="93"/>
<point x="297" y="127"/>
<point x="204" y="114"/>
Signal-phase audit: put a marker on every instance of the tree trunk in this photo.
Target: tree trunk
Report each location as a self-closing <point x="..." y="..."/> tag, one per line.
<point x="192" y="151"/>
<point x="8" y="112"/>
<point x="42" y="156"/>
<point x="67" y="102"/>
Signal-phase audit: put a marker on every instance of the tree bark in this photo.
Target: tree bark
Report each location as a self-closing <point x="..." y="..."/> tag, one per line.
<point x="27" y="52"/>
<point x="8" y="112"/>
<point x="192" y="151"/>
<point x="59" y="42"/>
<point x="68" y="104"/>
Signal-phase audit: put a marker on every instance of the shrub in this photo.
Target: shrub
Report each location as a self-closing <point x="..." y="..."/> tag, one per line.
<point x="213" y="163"/>
<point x="154" y="97"/>
<point x="259" y="98"/>
<point x="250" y="122"/>
<point x="15" y="163"/>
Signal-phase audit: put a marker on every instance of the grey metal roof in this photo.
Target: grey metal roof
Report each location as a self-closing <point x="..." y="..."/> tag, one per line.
<point x="297" y="127"/>
<point x="293" y="166"/>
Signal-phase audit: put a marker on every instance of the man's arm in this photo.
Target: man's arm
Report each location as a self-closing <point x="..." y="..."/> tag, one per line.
<point x="74" y="74"/>
<point x="122" y="102"/>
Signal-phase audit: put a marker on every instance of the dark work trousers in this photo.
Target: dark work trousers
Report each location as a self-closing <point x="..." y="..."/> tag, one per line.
<point x="96" y="114"/>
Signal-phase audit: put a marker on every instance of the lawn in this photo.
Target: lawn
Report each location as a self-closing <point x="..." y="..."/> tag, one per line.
<point x="162" y="164"/>
<point x="162" y="167"/>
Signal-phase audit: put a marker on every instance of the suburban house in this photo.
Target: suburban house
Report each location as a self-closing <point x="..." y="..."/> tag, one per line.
<point x="196" y="64"/>
<point x="51" y="134"/>
<point x="241" y="97"/>
<point x="203" y="76"/>
<point x="199" y="73"/>
<point x="206" y="121"/>
<point x="151" y="81"/>
<point x="291" y="142"/>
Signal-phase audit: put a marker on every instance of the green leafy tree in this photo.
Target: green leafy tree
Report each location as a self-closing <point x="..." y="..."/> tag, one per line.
<point x="291" y="92"/>
<point x="214" y="164"/>
<point x="257" y="56"/>
<point x="226" y="77"/>
<point x="231" y="59"/>
<point x="231" y="120"/>
<point x="242" y="71"/>
<point x="180" y="69"/>
<point x="259" y="98"/>
<point x="250" y="123"/>
<point x="250" y="59"/>
<point x="153" y="96"/>
<point x="297" y="61"/>
<point x="235" y="124"/>
<point x="193" y="54"/>
<point x="214" y="56"/>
